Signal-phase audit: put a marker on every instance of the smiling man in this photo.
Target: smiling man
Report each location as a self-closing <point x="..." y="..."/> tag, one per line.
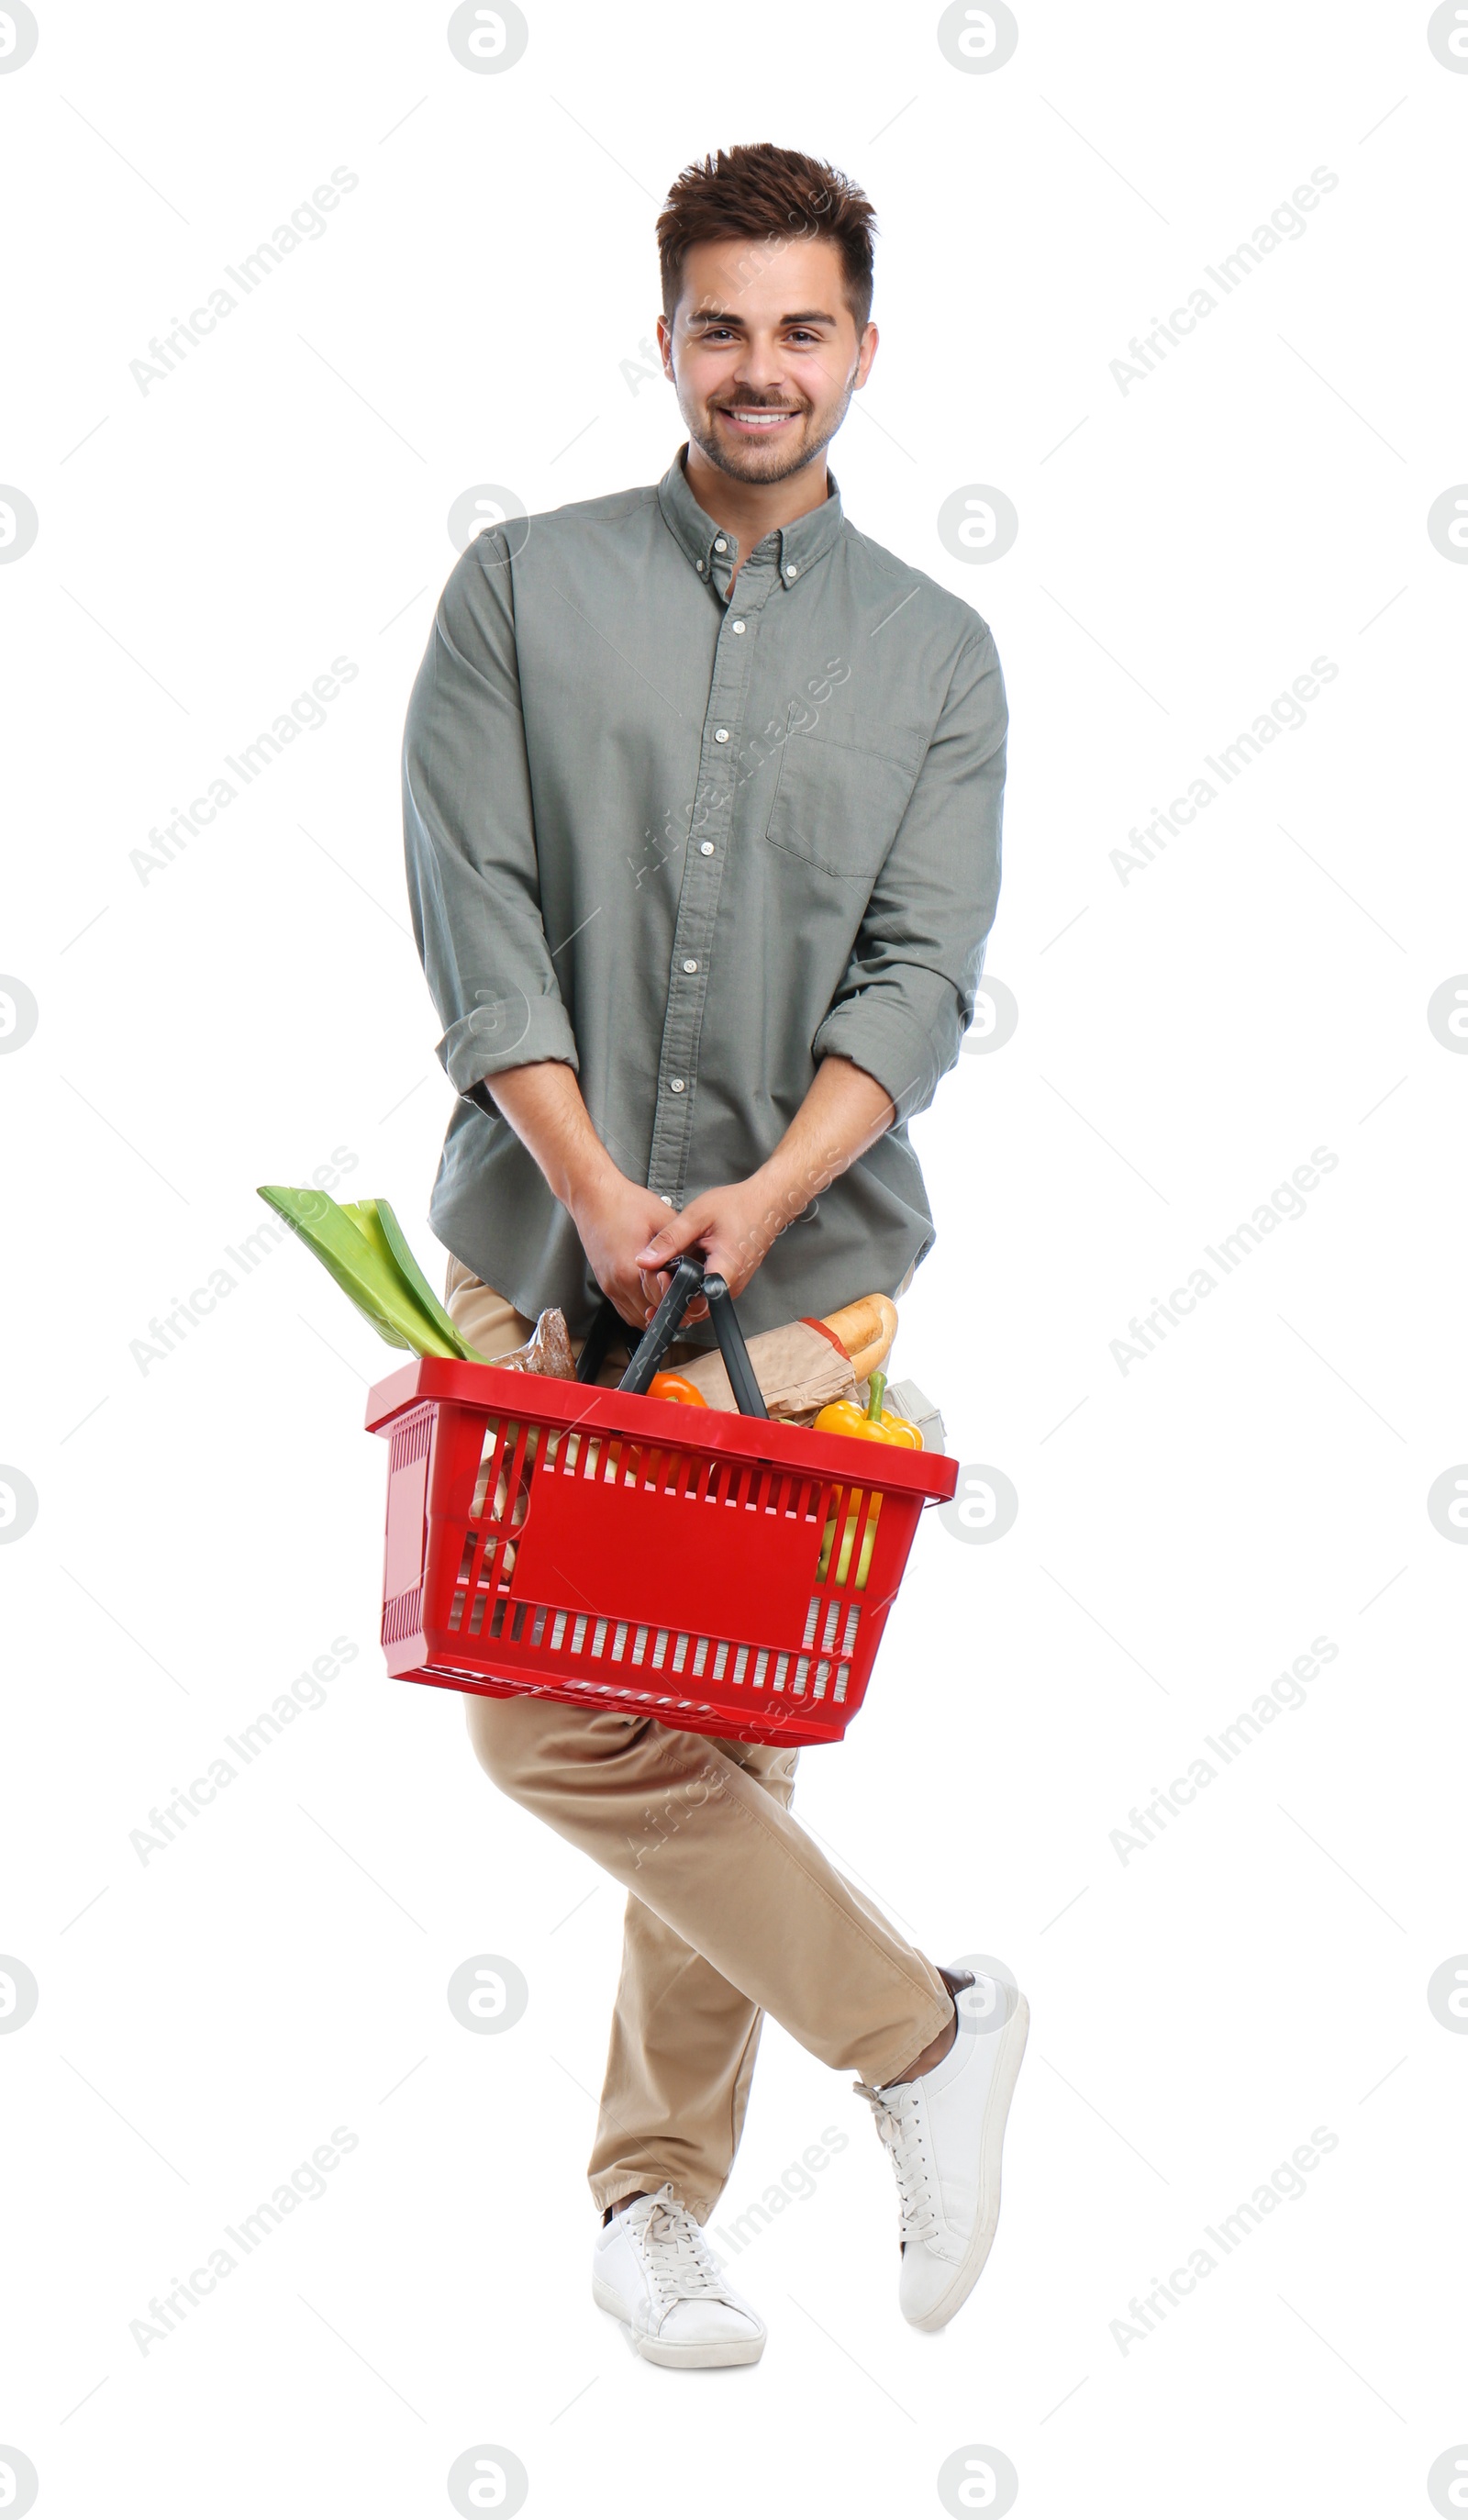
<point x="703" y="799"/>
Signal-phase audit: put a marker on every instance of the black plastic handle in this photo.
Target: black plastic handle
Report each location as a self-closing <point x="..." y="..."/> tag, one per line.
<point x="689" y="1280"/>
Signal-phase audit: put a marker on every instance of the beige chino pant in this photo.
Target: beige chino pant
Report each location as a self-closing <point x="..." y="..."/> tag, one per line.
<point x="733" y="1912"/>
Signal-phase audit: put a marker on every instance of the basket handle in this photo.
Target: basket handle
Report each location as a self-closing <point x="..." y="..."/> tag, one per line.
<point x="689" y="1280"/>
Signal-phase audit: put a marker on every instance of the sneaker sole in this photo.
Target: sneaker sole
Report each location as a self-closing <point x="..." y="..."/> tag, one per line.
<point x="722" y="2353"/>
<point x="1012" y="2036"/>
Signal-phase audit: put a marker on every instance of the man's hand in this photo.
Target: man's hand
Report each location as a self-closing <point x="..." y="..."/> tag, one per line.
<point x="628" y="1233"/>
<point x="616" y="1221"/>
<point x="612" y="1216"/>
<point x="731" y="1227"/>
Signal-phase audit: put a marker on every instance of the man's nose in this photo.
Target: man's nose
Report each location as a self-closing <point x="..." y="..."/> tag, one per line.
<point x="761" y="369"/>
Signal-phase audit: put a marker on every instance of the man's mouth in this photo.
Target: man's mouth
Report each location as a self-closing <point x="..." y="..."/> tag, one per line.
<point x="744" y="416"/>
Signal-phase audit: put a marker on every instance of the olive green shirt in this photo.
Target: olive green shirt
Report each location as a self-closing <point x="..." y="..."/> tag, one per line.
<point x="691" y="837"/>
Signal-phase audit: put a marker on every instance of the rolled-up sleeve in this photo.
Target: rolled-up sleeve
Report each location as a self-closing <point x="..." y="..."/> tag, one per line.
<point x="907" y="997"/>
<point x="468" y="828"/>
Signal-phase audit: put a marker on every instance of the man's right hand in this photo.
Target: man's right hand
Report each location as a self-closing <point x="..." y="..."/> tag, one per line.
<point x="615" y="1218"/>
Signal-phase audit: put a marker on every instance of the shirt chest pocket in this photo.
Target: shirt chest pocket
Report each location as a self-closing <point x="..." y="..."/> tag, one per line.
<point x="835" y="805"/>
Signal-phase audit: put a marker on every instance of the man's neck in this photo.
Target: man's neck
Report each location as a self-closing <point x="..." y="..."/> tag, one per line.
<point x="750" y="509"/>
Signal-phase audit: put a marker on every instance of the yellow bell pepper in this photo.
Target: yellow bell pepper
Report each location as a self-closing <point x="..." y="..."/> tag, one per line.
<point x="903" y="1430"/>
<point x="846" y="1417"/>
<point x="872" y="1425"/>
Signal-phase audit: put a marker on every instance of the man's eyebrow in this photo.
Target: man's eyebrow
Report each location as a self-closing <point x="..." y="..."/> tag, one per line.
<point x="715" y="315"/>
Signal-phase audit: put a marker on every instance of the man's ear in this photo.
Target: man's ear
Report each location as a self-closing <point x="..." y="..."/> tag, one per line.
<point x="665" y="346"/>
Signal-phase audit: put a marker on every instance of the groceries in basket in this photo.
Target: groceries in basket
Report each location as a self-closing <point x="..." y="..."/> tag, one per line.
<point x="810" y="1372"/>
<point x="720" y="1571"/>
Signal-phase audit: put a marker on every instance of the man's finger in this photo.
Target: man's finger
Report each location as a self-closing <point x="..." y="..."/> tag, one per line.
<point x="666" y="1245"/>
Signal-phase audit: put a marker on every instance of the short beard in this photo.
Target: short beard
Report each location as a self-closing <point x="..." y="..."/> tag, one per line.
<point x="752" y="469"/>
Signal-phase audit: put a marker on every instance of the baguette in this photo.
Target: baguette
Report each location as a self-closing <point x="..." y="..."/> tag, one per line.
<point x="867" y="1331"/>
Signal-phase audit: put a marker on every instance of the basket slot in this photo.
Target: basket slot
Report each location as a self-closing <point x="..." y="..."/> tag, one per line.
<point x="557" y="1631"/>
<point x="721" y="1660"/>
<point x="578" y="1633"/>
<point x="760" y="1666"/>
<point x="488" y="1463"/>
<point x="619" y="1641"/>
<point x="851" y="1525"/>
<point x="802" y="1673"/>
<point x="846" y="1550"/>
<point x="401" y="1615"/>
<point x="639" y="1645"/>
<point x="853" y="1622"/>
<point x="810" y="1617"/>
<point x="409" y="1440"/>
<point x="823" y="1676"/>
<point x="502" y="1487"/>
<point x="839" y="1693"/>
<point x="740" y="1665"/>
<point x="680" y="1652"/>
<point x="781" y="1667"/>
<point x="599" y="1641"/>
<point x="517" y="1477"/>
<point x="700" y="1658"/>
<point x="659" y="1648"/>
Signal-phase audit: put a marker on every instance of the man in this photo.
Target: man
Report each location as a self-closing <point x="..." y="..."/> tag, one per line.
<point x="703" y="799"/>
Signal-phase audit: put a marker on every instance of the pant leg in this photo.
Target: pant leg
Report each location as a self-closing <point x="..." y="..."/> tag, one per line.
<point x="716" y="1858"/>
<point x="681" y="2058"/>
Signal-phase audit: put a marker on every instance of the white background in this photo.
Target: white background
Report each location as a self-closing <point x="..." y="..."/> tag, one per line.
<point x="1186" y="1039"/>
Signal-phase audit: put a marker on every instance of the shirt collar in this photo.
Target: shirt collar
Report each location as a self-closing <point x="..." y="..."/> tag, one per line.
<point x="695" y="531"/>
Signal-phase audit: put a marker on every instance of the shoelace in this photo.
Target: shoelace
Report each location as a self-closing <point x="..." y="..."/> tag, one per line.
<point x="900" y="2126"/>
<point x="676" y="2253"/>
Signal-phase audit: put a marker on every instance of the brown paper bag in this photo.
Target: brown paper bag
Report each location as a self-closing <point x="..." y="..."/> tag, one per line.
<point x="799" y="1370"/>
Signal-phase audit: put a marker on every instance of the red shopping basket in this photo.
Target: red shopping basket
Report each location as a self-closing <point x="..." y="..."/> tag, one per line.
<point x="723" y="1573"/>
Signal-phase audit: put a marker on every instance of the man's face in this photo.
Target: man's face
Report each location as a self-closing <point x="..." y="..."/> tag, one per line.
<point x="764" y="352"/>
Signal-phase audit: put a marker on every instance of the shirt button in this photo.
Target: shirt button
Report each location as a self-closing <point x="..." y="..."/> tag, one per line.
<point x="738" y="629"/>
<point x="676" y="1085"/>
<point x="691" y="966"/>
<point x="721" y="544"/>
<point x="705" y="848"/>
<point x="699" y="565"/>
<point x="663" y="1195"/>
<point x="791" y="572"/>
<point x="721" y="735"/>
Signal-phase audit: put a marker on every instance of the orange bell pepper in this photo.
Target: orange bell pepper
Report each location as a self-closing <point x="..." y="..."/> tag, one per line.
<point x="676" y="1386"/>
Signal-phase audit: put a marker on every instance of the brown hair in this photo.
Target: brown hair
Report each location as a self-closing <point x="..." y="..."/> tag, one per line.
<point x="760" y="191"/>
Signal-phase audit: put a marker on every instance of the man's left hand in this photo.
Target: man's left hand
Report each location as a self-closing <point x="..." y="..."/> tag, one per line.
<point x="731" y="1229"/>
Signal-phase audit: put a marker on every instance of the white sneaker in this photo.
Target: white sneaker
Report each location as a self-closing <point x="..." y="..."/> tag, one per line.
<point x="653" y="2269"/>
<point x="943" y="2133"/>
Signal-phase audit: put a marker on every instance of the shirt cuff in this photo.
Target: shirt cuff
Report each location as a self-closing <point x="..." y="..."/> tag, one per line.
<point x="505" y="1033"/>
<point x="875" y="1034"/>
